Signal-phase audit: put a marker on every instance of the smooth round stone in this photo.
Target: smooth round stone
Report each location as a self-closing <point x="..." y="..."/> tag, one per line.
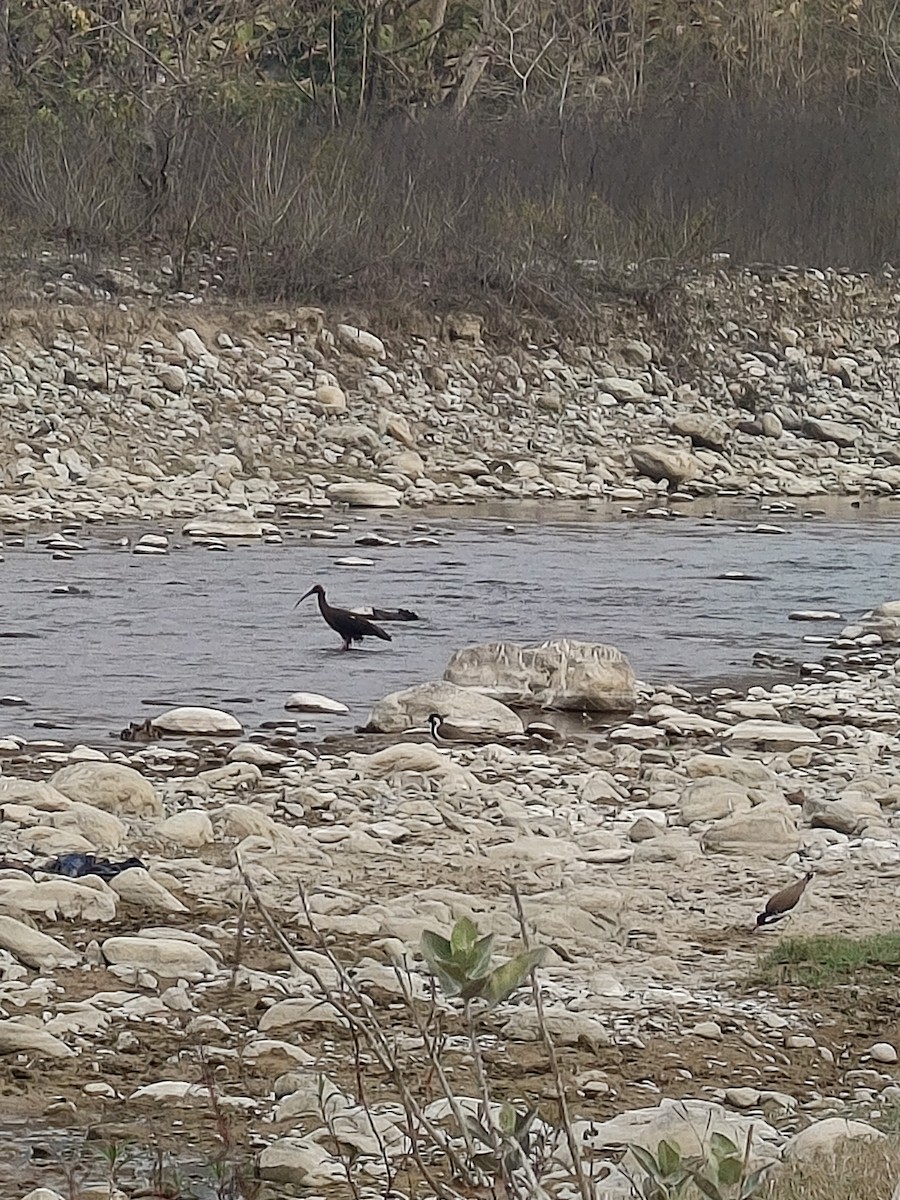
<point x="799" y="1041"/>
<point x="352" y="561"/>
<point x="883" y="1052"/>
<point x="196" y="720"/>
<point x="711" y="1030"/>
<point x="260" y="756"/>
<point x="742" y="1097"/>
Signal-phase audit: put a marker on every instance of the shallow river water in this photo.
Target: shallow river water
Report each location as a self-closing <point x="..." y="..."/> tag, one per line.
<point x="204" y="627"/>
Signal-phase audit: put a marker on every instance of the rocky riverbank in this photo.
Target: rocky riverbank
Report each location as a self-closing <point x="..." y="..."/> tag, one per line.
<point x="203" y="935"/>
<point x="195" y="1017"/>
<point x="760" y="384"/>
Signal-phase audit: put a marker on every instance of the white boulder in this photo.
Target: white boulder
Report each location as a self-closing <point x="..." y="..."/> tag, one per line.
<point x="360" y="341"/>
<point x="138" y="887"/>
<point x="768" y="831"/>
<point x="171" y="958"/>
<point x="824" y="1137"/>
<point x="190" y="829"/>
<point x="775" y="733"/>
<point x="111" y="786"/>
<point x="33" y="948"/>
<point x="669" y="463"/>
<point x="18" y="1038"/>
<point x="365" y="495"/>
<point x="562" y="674"/>
<point x="459" y="705"/>
<point x="87" y="899"/>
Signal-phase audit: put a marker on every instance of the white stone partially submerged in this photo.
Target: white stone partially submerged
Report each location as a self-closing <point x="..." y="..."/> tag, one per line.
<point x="190" y="719"/>
<point x="883" y="620"/>
<point x="312" y="702"/>
<point x="232" y="526"/>
<point x="560" y="674"/>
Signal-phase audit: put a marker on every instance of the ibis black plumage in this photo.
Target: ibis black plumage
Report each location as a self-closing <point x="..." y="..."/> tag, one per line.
<point x="350" y="626"/>
<point x="779" y="905"/>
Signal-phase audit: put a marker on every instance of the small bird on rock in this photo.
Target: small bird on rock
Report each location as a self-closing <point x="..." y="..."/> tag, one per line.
<point x="779" y="905"/>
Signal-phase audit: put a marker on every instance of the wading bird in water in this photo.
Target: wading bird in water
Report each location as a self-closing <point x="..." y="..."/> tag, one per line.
<point x="779" y="905"/>
<point x="351" y="627"/>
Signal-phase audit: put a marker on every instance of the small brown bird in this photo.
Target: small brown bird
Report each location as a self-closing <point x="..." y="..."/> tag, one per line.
<point x="779" y="905"/>
<point x="141" y="731"/>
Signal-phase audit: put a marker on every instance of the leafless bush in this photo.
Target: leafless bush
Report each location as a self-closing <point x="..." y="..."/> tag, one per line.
<point x="522" y="214"/>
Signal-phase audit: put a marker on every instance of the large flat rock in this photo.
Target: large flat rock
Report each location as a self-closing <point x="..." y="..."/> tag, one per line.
<point x="563" y="674"/>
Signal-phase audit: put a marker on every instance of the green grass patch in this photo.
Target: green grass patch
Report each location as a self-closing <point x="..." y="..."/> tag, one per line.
<point x="831" y="959"/>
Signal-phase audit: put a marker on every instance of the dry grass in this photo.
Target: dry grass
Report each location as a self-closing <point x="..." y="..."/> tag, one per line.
<point x="859" y="1171"/>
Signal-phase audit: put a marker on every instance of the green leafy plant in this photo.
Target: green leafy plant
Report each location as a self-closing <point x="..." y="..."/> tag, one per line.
<point x="516" y="1141"/>
<point x="462" y="964"/>
<point x="723" y="1173"/>
<point x="666" y="1174"/>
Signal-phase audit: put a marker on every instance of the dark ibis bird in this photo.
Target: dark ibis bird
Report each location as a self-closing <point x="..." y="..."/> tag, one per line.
<point x="350" y="626"/>
<point x="779" y="905"/>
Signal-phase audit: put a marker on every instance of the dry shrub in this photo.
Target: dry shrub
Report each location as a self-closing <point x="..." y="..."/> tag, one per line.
<point x="515" y="214"/>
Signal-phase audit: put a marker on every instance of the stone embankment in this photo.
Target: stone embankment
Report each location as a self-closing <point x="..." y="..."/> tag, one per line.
<point x="761" y="385"/>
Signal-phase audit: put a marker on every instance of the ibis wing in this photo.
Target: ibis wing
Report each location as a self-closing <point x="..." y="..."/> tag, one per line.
<point x="359" y="627"/>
